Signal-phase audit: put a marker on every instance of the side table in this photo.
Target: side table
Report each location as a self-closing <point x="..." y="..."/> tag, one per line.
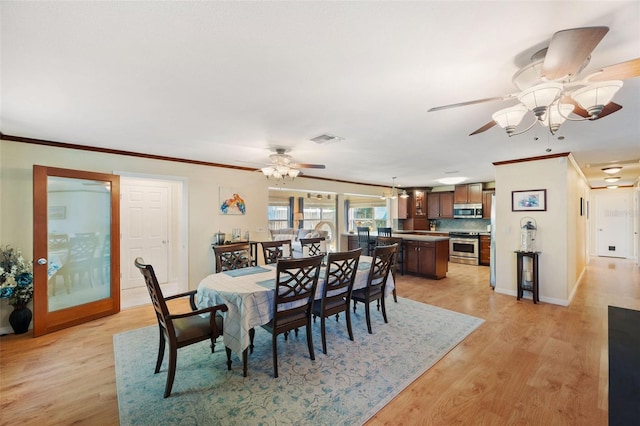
<point x="528" y="285"/>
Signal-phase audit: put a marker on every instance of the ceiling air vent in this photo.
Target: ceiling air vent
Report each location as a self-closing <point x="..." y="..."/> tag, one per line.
<point x="326" y="138"/>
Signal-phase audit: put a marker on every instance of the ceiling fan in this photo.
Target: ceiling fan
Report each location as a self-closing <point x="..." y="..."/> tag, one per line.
<point x="282" y="166"/>
<point x="552" y="86"/>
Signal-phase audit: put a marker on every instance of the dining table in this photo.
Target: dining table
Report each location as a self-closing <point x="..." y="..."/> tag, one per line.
<point x="249" y="293"/>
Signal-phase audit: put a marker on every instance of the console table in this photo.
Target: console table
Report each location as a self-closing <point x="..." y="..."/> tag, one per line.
<point x="524" y="285"/>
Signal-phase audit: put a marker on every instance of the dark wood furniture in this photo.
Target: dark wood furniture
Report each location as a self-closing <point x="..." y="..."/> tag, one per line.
<point x="523" y="284"/>
<point x="398" y="259"/>
<point x="485" y="250"/>
<point x="468" y="193"/>
<point x="428" y="258"/>
<point x="376" y="282"/>
<point x="384" y="232"/>
<point x="276" y="250"/>
<point x="486" y="203"/>
<point x="82" y="250"/>
<point x="296" y="282"/>
<point x="440" y="205"/>
<point x="403" y="206"/>
<point x="313" y="246"/>
<point x="364" y="240"/>
<point x="336" y="295"/>
<point x="180" y="330"/>
<point x="232" y="256"/>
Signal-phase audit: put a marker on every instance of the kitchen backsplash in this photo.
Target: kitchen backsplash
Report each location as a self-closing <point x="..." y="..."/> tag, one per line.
<point x="463" y="224"/>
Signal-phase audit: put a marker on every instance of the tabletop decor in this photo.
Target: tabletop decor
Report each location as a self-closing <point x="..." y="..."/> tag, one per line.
<point x="16" y="285"/>
<point x="346" y="387"/>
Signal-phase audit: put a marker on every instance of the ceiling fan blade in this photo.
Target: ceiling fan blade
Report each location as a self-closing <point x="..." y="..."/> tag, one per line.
<point x="478" y="101"/>
<point x="569" y="49"/>
<point x="484" y="128"/>
<point x="308" y="166"/>
<point x="621" y="71"/>
<point x="609" y="108"/>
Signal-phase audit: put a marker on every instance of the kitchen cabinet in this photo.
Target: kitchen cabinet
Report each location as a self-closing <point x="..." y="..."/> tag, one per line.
<point x="486" y="203"/>
<point x="470" y="193"/>
<point x="440" y="205"/>
<point x="485" y="250"/>
<point x="428" y="258"/>
<point x="419" y="203"/>
<point x="403" y="207"/>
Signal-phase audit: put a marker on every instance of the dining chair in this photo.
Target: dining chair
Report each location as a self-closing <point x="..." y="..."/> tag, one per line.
<point x="82" y="250"/>
<point x="364" y="240"/>
<point x="296" y="281"/>
<point x="313" y="246"/>
<point x="275" y="250"/>
<point x="232" y="256"/>
<point x="376" y="282"/>
<point x="59" y="243"/>
<point x="179" y="330"/>
<point x="384" y="232"/>
<point x="398" y="259"/>
<point x="336" y="294"/>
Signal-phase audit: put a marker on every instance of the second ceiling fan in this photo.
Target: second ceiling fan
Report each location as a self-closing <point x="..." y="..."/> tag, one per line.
<point x="551" y="86"/>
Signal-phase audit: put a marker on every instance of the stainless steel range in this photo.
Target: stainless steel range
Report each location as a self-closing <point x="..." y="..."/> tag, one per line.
<point x="464" y="247"/>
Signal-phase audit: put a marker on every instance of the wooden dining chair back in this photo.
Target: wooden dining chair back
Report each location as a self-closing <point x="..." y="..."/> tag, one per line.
<point x="82" y="250"/>
<point x="384" y="232"/>
<point x="376" y="282"/>
<point x="179" y="330"/>
<point x="364" y="240"/>
<point x="313" y="246"/>
<point x="398" y="259"/>
<point x="273" y="251"/>
<point x="296" y="282"/>
<point x="232" y="256"/>
<point x="339" y="276"/>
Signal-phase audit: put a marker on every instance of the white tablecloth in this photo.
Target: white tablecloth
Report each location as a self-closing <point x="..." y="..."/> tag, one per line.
<point x="251" y="304"/>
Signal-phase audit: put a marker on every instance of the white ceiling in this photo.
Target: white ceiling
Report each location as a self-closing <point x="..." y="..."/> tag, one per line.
<point x="226" y="81"/>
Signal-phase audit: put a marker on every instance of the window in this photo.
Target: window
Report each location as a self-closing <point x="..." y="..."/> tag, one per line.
<point x="369" y="212"/>
<point x="278" y="214"/>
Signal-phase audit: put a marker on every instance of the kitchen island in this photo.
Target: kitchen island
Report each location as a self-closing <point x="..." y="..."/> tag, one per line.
<point x="421" y="254"/>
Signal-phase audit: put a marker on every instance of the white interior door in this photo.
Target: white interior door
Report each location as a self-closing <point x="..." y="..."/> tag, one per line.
<point x="145" y="232"/>
<point x="611" y="225"/>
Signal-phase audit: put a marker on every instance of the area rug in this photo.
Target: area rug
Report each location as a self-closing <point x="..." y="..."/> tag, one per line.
<point x="345" y="387"/>
<point x="624" y="370"/>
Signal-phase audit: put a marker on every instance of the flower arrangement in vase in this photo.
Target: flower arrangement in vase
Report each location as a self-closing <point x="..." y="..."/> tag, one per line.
<point x="16" y="285"/>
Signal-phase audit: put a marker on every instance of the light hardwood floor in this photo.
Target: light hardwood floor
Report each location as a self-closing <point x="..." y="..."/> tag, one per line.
<point x="527" y="364"/>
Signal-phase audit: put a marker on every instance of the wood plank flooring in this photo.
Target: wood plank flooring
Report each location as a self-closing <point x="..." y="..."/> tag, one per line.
<point x="527" y="364"/>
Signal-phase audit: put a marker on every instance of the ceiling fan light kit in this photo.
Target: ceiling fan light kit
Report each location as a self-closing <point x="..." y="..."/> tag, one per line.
<point x="551" y="86"/>
<point x="612" y="179"/>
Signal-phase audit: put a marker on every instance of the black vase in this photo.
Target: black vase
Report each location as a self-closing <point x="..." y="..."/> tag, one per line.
<point x="20" y="318"/>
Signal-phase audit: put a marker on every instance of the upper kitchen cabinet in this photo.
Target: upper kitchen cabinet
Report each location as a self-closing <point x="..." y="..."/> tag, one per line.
<point x="419" y="203"/>
<point x="486" y="203"/>
<point x="440" y="205"/>
<point x="403" y="207"/>
<point x="468" y="193"/>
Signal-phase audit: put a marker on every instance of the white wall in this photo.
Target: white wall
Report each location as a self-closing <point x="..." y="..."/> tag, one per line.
<point x="16" y="196"/>
<point x="557" y="226"/>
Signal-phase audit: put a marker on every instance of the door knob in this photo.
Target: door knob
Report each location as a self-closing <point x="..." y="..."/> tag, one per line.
<point x="42" y="261"/>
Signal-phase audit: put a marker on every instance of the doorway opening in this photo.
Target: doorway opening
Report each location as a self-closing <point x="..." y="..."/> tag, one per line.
<point x="153" y="218"/>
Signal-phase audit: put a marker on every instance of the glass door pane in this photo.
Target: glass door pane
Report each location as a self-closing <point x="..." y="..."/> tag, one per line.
<point x="78" y="241"/>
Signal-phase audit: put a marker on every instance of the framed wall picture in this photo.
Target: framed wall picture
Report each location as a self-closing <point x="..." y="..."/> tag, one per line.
<point x="528" y="201"/>
<point x="231" y="202"/>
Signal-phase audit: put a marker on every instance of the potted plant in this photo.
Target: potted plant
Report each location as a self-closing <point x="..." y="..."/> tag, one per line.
<point x="16" y="285"/>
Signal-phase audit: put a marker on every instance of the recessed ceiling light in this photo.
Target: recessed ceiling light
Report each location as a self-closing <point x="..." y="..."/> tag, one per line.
<point x="612" y="186"/>
<point x="612" y="179"/>
<point x="612" y="170"/>
<point x="452" y="180"/>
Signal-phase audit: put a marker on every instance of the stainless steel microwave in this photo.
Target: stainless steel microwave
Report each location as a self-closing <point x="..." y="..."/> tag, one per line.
<point x="467" y="211"/>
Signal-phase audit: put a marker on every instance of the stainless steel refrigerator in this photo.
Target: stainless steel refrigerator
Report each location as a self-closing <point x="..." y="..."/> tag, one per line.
<point x="492" y="247"/>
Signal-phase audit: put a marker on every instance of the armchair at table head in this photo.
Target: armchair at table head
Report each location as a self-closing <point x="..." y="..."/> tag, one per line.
<point x="296" y="282"/>
<point x="376" y="282"/>
<point x="179" y="330"/>
<point x="232" y="256"/>
<point x="276" y="250"/>
<point x="336" y="294"/>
